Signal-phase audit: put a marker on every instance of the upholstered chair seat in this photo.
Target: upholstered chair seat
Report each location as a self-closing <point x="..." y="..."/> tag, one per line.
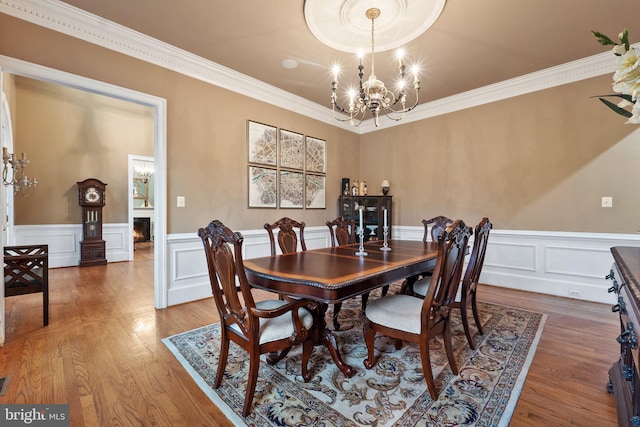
<point x="277" y="328"/>
<point x="396" y="311"/>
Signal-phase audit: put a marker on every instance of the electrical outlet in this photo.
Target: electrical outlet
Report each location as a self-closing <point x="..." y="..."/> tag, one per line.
<point x="575" y="293"/>
<point x="180" y="201"/>
<point x="607" y="202"/>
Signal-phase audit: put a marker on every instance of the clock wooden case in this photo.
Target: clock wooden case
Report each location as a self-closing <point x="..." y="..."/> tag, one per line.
<point x="91" y="196"/>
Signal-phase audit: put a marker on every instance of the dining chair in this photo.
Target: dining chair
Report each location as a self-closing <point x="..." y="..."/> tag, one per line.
<point x="432" y="227"/>
<point x="26" y="271"/>
<point x="407" y="318"/>
<point x="468" y="289"/>
<point x="264" y="327"/>
<point x="287" y="237"/>
<point x="343" y="232"/>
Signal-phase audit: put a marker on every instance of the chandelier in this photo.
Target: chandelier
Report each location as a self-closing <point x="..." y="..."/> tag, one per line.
<point x="144" y="172"/>
<point x="372" y="95"/>
<point x="13" y="173"/>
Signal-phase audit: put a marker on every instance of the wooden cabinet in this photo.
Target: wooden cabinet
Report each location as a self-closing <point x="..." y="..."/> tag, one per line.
<point x="624" y="381"/>
<point x="373" y="212"/>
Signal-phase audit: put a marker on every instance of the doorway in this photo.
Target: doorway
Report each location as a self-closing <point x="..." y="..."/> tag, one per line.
<point x="6" y="141"/>
<point x="34" y="71"/>
<point x="141" y="175"/>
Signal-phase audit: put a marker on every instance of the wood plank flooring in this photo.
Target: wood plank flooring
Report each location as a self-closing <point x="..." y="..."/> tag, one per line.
<point x="102" y="354"/>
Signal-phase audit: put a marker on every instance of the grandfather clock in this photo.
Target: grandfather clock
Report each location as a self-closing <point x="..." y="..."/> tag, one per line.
<point x="91" y="198"/>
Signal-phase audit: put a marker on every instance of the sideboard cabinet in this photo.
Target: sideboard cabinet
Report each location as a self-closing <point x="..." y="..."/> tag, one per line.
<point x="624" y="381"/>
<point x="373" y="213"/>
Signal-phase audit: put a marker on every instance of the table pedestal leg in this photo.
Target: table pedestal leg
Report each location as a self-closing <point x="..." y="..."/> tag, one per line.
<point x="324" y="336"/>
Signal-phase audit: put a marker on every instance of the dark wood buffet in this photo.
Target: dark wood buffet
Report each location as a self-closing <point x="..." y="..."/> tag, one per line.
<point x="624" y="380"/>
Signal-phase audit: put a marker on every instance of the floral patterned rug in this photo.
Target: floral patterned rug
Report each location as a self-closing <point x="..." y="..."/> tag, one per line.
<point x="393" y="393"/>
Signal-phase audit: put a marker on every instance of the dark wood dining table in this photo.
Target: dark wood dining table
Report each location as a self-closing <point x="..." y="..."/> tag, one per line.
<point x="331" y="275"/>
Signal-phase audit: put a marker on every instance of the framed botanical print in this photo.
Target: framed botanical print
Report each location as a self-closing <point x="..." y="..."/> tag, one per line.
<point x="315" y="155"/>
<point x="314" y="191"/>
<point x="291" y="150"/>
<point x="262" y="143"/>
<point x="263" y="187"/>
<point x="291" y="189"/>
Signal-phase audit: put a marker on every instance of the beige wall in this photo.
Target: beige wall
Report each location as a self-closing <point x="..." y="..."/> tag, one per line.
<point x="540" y="161"/>
<point x="206" y="130"/>
<point x="70" y="135"/>
<point x="537" y="162"/>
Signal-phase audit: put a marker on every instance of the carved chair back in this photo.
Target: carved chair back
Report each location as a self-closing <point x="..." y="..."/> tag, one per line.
<point x="287" y="237"/>
<point x="469" y="285"/>
<point x="223" y="250"/>
<point x="447" y="273"/>
<point x="476" y="261"/>
<point x="343" y="232"/>
<point x="440" y="224"/>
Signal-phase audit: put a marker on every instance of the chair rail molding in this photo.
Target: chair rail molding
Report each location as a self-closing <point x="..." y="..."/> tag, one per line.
<point x="564" y="264"/>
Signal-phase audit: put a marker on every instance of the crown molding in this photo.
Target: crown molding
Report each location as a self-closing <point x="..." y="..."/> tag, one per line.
<point x="69" y="20"/>
<point x="570" y="72"/>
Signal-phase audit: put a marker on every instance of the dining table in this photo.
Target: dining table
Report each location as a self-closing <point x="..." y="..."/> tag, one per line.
<point x="334" y="274"/>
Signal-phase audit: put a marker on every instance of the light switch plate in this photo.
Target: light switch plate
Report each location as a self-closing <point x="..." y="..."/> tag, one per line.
<point x="180" y="201"/>
<point x="607" y="202"/>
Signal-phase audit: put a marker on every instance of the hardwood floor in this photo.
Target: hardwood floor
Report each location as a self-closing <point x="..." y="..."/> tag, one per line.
<point x="102" y="354"/>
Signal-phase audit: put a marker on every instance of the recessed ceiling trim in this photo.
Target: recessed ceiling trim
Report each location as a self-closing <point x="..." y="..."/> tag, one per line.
<point x="343" y="24"/>
<point x="61" y="17"/>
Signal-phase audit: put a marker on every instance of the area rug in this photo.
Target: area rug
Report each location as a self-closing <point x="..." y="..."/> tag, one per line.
<point x="393" y="393"/>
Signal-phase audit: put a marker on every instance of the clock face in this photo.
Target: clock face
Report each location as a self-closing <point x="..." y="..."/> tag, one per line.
<point x="92" y="195"/>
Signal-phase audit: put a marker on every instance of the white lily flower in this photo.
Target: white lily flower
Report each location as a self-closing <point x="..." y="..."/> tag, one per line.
<point x="619" y="49"/>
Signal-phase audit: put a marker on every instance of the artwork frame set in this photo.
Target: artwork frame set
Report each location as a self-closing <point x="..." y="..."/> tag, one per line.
<point x="286" y="169"/>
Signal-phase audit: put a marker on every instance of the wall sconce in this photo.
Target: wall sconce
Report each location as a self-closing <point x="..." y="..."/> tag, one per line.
<point x="13" y="173"/>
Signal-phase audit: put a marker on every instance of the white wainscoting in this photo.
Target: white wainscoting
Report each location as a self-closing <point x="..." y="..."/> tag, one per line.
<point x="187" y="270"/>
<point x="569" y="265"/>
<point x="564" y="264"/>
<point x="64" y="241"/>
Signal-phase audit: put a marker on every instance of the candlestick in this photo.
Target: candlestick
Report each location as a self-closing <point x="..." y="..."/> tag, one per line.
<point x="385" y="233"/>
<point x="361" y="235"/>
<point x="385" y="217"/>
